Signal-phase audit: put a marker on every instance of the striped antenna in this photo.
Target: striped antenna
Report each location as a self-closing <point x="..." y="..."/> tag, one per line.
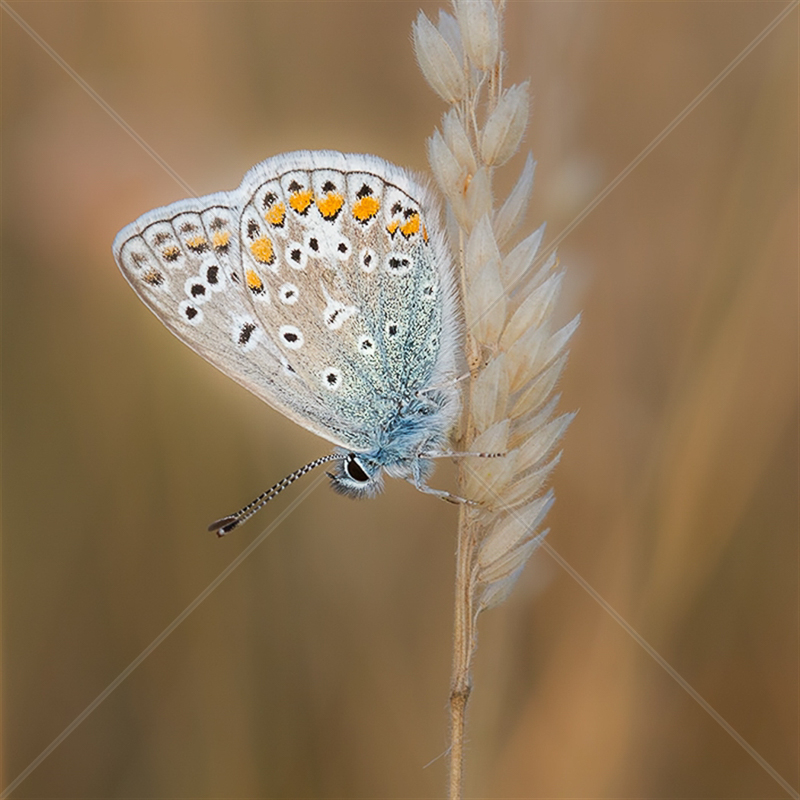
<point x="225" y="525"/>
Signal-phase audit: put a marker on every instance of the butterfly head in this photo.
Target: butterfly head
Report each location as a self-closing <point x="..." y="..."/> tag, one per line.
<point x="357" y="475"/>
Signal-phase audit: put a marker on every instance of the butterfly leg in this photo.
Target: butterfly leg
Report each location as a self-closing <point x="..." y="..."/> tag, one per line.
<point x="418" y="482"/>
<point x="453" y="454"/>
<point x="441" y="494"/>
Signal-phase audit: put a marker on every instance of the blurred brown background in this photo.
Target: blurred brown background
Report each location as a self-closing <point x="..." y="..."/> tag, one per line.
<point x="320" y="667"/>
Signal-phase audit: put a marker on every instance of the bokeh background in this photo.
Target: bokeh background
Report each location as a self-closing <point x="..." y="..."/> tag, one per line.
<point x="320" y="667"/>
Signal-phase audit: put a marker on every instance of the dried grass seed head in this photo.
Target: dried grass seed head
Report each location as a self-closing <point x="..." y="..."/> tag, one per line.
<point x="506" y="125"/>
<point x="455" y="135"/>
<point x="449" y="173"/>
<point x="519" y="261"/>
<point x="480" y="31"/>
<point x="522" y="489"/>
<point x="481" y="248"/>
<point x="478" y="197"/>
<point x="533" y="310"/>
<point x="512" y="212"/>
<point x="509" y="532"/>
<point x="438" y="62"/>
<point x="490" y="394"/>
<point x="451" y="32"/>
<point x="498" y="590"/>
<point x="486" y="304"/>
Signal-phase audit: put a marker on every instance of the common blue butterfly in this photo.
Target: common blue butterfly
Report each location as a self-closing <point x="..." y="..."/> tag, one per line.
<point x="324" y="285"/>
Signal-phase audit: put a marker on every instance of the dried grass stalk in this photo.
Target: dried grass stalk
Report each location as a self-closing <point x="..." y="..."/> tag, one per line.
<point x="514" y="356"/>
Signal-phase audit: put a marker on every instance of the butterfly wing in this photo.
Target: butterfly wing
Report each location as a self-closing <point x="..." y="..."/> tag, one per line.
<point x="351" y="278"/>
<point x="182" y="260"/>
<point x="316" y="285"/>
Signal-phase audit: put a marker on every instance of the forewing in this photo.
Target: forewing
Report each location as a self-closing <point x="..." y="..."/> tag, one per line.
<point x="322" y="284"/>
<point x="183" y="262"/>
<point x="345" y="277"/>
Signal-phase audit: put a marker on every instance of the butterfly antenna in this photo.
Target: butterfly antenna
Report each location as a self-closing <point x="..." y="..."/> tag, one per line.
<point x="225" y="525"/>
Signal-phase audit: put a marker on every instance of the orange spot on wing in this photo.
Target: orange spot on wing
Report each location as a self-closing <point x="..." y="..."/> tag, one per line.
<point x="330" y="205"/>
<point x="254" y="283"/>
<point x="263" y="250"/>
<point x="276" y="214"/>
<point x="197" y="243"/>
<point x="410" y="226"/>
<point x="220" y="239"/>
<point x="425" y="234"/>
<point x="300" y="201"/>
<point x="365" y="208"/>
<point x="391" y="228"/>
<point x="171" y="253"/>
<point x="153" y="277"/>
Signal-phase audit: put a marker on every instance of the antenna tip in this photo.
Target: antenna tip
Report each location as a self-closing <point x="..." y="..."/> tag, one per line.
<point x="223" y="526"/>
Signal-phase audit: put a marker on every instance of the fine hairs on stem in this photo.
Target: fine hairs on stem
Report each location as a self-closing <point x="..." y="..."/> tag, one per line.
<point x="513" y="353"/>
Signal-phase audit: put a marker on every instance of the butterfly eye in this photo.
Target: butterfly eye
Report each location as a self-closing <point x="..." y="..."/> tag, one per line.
<point x="354" y="470"/>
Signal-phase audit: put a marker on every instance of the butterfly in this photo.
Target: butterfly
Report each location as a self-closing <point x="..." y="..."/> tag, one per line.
<point x="324" y="285"/>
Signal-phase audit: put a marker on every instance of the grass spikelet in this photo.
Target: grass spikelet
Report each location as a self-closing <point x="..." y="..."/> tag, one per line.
<point x="519" y="261"/>
<point x="458" y="141"/>
<point x="503" y="131"/>
<point x="438" y="62"/>
<point x="513" y="209"/>
<point x="514" y="353"/>
<point x="480" y="32"/>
